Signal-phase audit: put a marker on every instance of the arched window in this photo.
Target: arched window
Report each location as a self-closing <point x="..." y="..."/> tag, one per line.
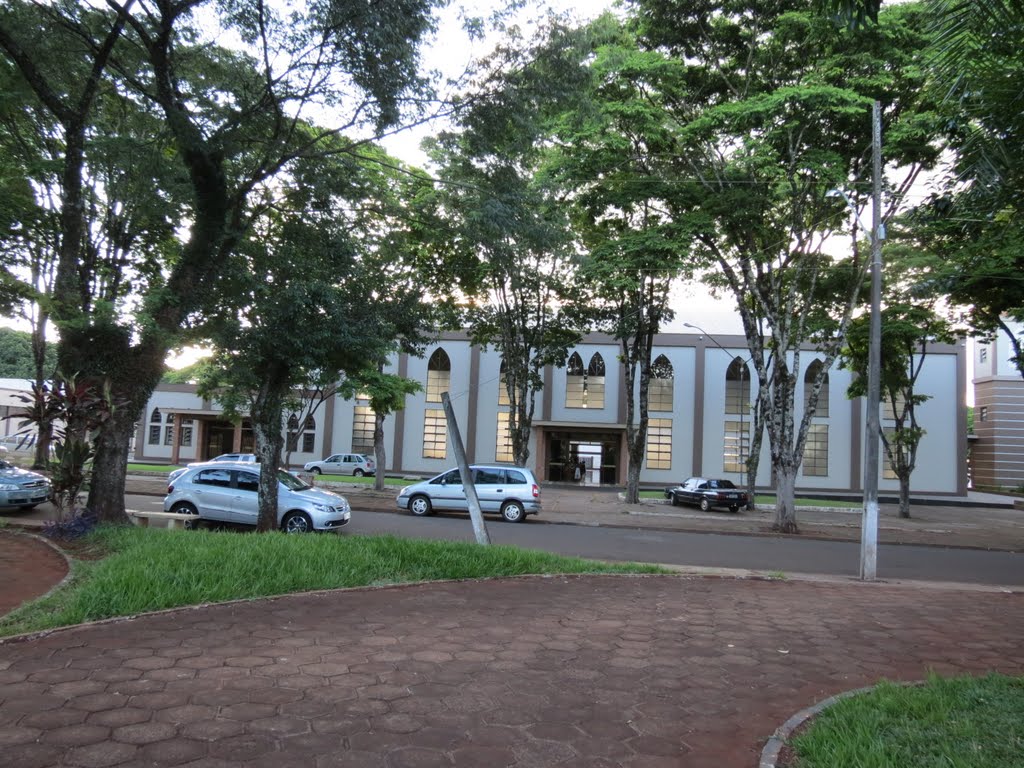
<point x="737" y="388"/>
<point x="815" y="462"/>
<point x="812" y="373"/>
<point x="503" y="398"/>
<point x="155" y="422"/>
<point x="659" y="396"/>
<point x="439" y="375"/>
<point x="736" y="440"/>
<point x="584" y="389"/>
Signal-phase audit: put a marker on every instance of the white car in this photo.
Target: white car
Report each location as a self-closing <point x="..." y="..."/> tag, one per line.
<point x="355" y="464"/>
<point x="229" y="492"/>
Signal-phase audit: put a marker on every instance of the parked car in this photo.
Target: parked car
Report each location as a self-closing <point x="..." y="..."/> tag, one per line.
<point x="355" y="464"/>
<point x="229" y="492"/>
<point x="238" y="458"/>
<point x="22" y="488"/>
<point x="706" y="493"/>
<point x="512" y="492"/>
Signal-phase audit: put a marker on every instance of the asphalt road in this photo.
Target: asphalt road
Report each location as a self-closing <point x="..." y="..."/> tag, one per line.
<point x="759" y="553"/>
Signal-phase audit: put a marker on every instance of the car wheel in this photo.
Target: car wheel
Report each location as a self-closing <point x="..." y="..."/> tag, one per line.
<point x="358" y="473"/>
<point x="184" y="508"/>
<point x="734" y="509"/>
<point x="420" y="506"/>
<point x="705" y="505"/>
<point x="675" y="500"/>
<point x="296" y="522"/>
<point x="513" y="512"/>
<point x="315" y="470"/>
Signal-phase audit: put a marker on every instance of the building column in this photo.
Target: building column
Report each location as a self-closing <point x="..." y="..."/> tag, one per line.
<point x="175" y="438"/>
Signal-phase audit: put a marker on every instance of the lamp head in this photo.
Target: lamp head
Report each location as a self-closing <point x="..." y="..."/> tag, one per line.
<point x="833" y="193"/>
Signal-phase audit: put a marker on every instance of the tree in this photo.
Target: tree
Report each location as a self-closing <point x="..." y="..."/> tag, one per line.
<point x="771" y="103"/>
<point x="613" y="156"/>
<point x="386" y="393"/>
<point x="974" y="220"/>
<point x="233" y="122"/>
<point x="310" y="305"/>
<point x="16" y="358"/>
<point x="506" y="240"/>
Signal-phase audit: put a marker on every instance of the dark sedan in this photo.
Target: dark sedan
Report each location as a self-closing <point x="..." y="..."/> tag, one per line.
<point x="707" y="493"/>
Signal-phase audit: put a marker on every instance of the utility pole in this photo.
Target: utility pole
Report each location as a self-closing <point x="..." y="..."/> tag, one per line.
<point x="479" y="528"/>
<point x="869" y="523"/>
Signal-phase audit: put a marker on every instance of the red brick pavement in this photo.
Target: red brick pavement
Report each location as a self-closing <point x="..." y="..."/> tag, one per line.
<point x="562" y="671"/>
<point x="29" y="568"/>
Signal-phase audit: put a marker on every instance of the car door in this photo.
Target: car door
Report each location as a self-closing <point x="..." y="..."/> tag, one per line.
<point x="490" y="487"/>
<point x="688" y="493"/>
<point x="245" y="502"/>
<point x="332" y="465"/>
<point x="446" y="492"/>
<point x="212" y="492"/>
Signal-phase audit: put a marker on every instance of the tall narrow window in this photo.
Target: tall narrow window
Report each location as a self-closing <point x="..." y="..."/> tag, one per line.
<point x="185" y="433"/>
<point x="169" y="430"/>
<point x="737" y="388"/>
<point x="575" y="379"/>
<point x="155" y="422"/>
<point x="660" y="392"/>
<point x="503" y="447"/>
<point x="816" y="451"/>
<point x="594" y="388"/>
<point x="503" y="398"/>
<point x="888" y="470"/>
<point x="439" y="375"/>
<point x="821" y="410"/>
<point x="435" y="434"/>
<point x="659" y="444"/>
<point x="292" y="443"/>
<point x="891" y="410"/>
<point x="363" y="424"/>
<point x="309" y="435"/>
<point x="736" y="446"/>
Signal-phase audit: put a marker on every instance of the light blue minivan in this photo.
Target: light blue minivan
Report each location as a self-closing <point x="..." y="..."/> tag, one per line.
<point x="512" y="492"/>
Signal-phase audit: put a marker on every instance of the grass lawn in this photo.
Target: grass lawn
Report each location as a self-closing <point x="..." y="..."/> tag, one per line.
<point x="959" y="722"/>
<point x="141" y="569"/>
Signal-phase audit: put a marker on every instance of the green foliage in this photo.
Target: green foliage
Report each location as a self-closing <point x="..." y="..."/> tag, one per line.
<point x="16" y="361"/>
<point x="189" y="374"/>
<point x="152" y="569"/>
<point x="974" y="221"/>
<point x="78" y="407"/>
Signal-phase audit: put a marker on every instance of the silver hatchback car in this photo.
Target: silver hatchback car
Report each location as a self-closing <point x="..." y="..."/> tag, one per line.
<point x="512" y="492"/>
<point x="229" y="492"/>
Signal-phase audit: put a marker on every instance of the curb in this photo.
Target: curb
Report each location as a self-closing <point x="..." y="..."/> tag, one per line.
<point x="773" y="748"/>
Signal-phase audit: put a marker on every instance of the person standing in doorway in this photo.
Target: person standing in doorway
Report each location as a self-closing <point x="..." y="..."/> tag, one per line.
<point x="577" y="475"/>
<point x="581" y="471"/>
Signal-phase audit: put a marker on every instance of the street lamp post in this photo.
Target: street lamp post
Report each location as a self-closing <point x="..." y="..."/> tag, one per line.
<point x="869" y="524"/>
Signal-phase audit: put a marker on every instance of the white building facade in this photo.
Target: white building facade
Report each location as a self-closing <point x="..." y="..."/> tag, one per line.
<point x="699" y="409"/>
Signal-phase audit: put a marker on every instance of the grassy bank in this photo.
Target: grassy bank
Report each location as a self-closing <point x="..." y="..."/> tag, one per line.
<point x="959" y="722"/>
<point x="151" y="569"/>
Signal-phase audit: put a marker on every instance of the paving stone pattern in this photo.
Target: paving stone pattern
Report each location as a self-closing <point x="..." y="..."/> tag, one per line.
<point x="561" y="671"/>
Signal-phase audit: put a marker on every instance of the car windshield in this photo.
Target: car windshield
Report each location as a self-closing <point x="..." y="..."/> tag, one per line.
<point x="291" y="482"/>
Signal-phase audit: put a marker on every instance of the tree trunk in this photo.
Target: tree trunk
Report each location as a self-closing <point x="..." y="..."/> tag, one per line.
<point x="378" y="450"/>
<point x="633" y="476"/>
<point x="905" y="498"/>
<point x="110" y="468"/>
<point x="785" y="500"/>
<point x="44" y="436"/>
<point x="267" y="417"/>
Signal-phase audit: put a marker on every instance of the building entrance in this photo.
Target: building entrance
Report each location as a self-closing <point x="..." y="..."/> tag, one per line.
<point x="595" y="455"/>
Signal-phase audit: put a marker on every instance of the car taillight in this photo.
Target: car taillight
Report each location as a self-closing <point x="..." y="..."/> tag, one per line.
<point x="170" y="489"/>
<point x="536" y="491"/>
